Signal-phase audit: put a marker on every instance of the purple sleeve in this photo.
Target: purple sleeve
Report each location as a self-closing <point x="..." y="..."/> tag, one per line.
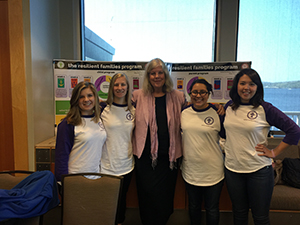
<point x="227" y="104"/>
<point x="278" y="119"/>
<point x="64" y="145"/>
<point x="103" y="105"/>
<point x="221" y="117"/>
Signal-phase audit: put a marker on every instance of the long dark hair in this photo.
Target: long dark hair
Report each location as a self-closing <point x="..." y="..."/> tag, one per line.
<point x="257" y="99"/>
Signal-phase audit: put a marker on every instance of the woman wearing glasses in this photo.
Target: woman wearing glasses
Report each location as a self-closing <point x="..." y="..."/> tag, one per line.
<point x="203" y="164"/>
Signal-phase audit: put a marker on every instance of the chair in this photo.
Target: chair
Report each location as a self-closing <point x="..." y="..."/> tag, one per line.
<point x="8" y="181"/>
<point x="90" y="201"/>
<point x="26" y="197"/>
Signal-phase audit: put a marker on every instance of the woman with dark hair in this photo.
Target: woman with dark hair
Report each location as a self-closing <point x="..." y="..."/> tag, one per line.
<point x="248" y="162"/>
<point x="203" y="162"/>
<point x="118" y="120"/>
<point x="81" y="134"/>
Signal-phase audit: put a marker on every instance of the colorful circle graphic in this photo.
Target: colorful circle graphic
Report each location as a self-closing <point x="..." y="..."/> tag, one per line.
<point x="102" y="86"/>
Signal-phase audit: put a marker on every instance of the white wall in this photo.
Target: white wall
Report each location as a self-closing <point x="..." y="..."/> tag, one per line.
<point x="44" y="35"/>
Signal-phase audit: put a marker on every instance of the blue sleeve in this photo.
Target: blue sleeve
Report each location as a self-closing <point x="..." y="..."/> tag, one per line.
<point x="64" y="145"/>
<point x="102" y="106"/>
<point x="277" y="118"/>
<point x="221" y="117"/>
<point x="227" y="104"/>
<point x="222" y="132"/>
<point x="185" y="107"/>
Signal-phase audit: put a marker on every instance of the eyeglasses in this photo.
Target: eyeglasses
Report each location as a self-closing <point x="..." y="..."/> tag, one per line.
<point x="201" y="93"/>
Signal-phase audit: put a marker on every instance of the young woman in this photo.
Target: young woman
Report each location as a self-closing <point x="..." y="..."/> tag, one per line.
<point x="81" y="135"/>
<point x="203" y="162"/>
<point x="118" y="120"/>
<point x="249" y="173"/>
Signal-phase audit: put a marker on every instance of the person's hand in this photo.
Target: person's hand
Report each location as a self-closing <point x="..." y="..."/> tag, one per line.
<point x="220" y="108"/>
<point x="262" y="150"/>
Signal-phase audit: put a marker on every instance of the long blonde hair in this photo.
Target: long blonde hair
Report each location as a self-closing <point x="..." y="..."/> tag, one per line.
<point x="74" y="115"/>
<point x="110" y="97"/>
<point x="147" y="87"/>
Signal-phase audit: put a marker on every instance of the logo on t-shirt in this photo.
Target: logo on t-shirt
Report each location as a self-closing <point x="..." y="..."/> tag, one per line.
<point x="209" y="120"/>
<point x="252" y="115"/>
<point x="101" y="125"/>
<point x="129" y="116"/>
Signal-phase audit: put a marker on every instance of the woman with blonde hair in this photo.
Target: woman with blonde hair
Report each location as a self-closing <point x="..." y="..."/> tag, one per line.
<point x="157" y="142"/>
<point x="81" y="134"/>
<point x="118" y="120"/>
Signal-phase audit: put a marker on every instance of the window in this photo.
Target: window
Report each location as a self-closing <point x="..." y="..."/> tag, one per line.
<point x="139" y="30"/>
<point x="269" y="34"/>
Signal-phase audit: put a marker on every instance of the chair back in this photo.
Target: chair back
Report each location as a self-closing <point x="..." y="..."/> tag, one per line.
<point x="90" y="201"/>
<point x="8" y="180"/>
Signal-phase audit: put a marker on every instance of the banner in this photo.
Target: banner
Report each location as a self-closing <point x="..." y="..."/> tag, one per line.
<point x="219" y="75"/>
<point x="68" y="73"/>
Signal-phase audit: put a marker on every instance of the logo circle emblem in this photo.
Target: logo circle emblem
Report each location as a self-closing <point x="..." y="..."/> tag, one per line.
<point x="129" y="116"/>
<point x="252" y="115"/>
<point x="209" y="120"/>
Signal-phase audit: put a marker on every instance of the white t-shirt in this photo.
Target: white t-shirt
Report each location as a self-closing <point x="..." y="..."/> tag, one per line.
<point x="117" y="157"/>
<point x="89" y="138"/>
<point x="203" y="163"/>
<point x="245" y="128"/>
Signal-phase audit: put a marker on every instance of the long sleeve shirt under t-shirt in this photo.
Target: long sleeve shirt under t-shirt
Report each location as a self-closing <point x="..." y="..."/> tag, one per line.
<point x="79" y="148"/>
<point x="246" y="127"/>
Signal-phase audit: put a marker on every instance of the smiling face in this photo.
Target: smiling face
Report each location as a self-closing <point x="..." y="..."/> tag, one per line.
<point x="86" y="101"/>
<point x="157" y="78"/>
<point x="246" y="88"/>
<point x="120" y="90"/>
<point x="199" y="96"/>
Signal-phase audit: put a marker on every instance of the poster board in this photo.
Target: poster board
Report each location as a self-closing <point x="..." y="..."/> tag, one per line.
<point x="68" y="73"/>
<point x="219" y="75"/>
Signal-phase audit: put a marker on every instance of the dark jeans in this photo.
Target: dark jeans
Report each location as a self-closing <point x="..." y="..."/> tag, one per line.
<point x="122" y="208"/>
<point x="251" y="190"/>
<point x="211" y="196"/>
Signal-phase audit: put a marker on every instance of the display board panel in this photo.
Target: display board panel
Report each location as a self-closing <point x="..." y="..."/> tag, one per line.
<point x="68" y="73"/>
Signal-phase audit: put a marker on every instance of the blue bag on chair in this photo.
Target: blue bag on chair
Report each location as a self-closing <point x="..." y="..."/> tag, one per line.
<point x="33" y="196"/>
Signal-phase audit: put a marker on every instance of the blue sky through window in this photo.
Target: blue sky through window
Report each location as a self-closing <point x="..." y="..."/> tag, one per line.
<point x="269" y="34"/>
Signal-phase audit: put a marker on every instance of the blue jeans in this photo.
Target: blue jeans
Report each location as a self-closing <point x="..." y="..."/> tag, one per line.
<point x="251" y="190"/>
<point x="211" y="196"/>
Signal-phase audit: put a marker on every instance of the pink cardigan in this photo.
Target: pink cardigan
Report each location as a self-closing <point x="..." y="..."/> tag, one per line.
<point x="145" y="115"/>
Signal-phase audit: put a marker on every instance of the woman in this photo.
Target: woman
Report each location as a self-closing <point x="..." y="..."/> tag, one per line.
<point x="157" y="143"/>
<point x="203" y="163"/>
<point x="81" y="134"/>
<point x="249" y="173"/>
<point x="118" y="120"/>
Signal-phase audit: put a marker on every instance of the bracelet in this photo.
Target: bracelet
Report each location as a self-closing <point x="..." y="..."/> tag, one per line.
<point x="273" y="154"/>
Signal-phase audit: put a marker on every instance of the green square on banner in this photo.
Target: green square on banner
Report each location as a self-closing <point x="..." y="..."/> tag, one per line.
<point x="61" y="83"/>
<point x="62" y="107"/>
